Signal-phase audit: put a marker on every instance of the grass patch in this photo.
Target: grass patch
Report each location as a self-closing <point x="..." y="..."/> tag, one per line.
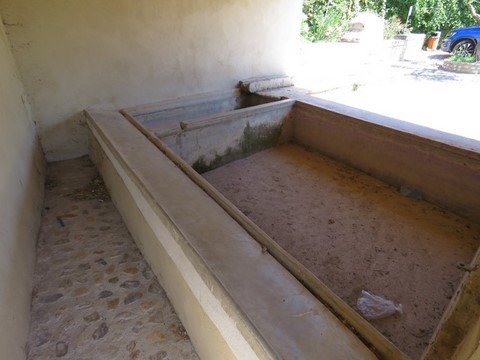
<point x="460" y="58"/>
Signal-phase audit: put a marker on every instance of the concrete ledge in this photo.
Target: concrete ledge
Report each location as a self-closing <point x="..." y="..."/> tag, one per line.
<point x="236" y="114"/>
<point x="419" y="131"/>
<point x="235" y="300"/>
<point x="265" y="83"/>
<point x="212" y="141"/>
<point x="199" y="105"/>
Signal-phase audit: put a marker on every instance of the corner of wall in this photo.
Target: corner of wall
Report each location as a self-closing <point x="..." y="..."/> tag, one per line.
<point x="22" y="174"/>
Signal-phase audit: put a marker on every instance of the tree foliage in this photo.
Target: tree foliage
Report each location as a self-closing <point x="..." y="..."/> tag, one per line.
<point x="473" y="10"/>
<point x="444" y="15"/>
<point x="327" y="19"/>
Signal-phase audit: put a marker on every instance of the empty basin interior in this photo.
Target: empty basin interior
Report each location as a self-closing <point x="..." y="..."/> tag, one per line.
<point x="353" y="213"/>
<point x="356" y="233"/>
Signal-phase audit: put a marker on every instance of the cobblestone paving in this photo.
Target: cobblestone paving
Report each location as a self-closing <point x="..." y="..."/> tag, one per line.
<point x="95" y="297"/>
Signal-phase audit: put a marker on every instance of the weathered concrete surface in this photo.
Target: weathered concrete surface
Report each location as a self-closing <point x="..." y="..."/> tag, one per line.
<point x="357" y="233"/>
<point x="192" y="301"/>
<point x="114" y="54"/>
<point x="211" y="141"/>
<point x="255" y="85"/>
<point x="439" y="167"/>
<point x="212" y="129"/>
<point x="21" y="196"/>
<point x="310" y="281"/>
<point x="165" y="117"/>
<point x="198" y="105"/>
<point x="260" y="310"/>
<point x="458" y="336"/>
<point x="444" y="174"/>
<point x="95" y="296"/>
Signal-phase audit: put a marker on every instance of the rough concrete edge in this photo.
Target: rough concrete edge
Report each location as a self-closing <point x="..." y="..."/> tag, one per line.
<point x="247" y="343"/>
<point x="457" y="335"/>
<point x="191" y="100"/>
<point x="457" y="143"/>
<point x="381" y="123"/>
<point x="211" y="120"/>
<point x="164" y="266"/>
<point x="256" y="85"/>
<point x="362" y="328"/>
<point x="469" y="348"/>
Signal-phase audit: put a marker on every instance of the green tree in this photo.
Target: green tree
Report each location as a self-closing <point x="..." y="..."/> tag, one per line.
<point x="473" y="11"/>
<point x="327" y="19"/>
<point x="444" y="15"/>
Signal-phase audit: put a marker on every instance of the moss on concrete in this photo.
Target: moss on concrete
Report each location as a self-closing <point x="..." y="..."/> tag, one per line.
<point x="259" y="138"/>
<point x="254" y="139"/>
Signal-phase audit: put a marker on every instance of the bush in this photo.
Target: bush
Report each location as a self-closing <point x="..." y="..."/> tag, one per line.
<point x="325" y="20"/>
<point x="394" y="26"/>
<point x="444" y="15"/>
<point x="328" y="19"/>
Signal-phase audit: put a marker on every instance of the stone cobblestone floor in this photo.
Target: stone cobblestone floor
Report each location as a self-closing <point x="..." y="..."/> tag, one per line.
<point x="95" y="297"/>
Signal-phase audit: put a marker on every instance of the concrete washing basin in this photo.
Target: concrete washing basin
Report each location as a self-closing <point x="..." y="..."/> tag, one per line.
<point x="220" y="269"/>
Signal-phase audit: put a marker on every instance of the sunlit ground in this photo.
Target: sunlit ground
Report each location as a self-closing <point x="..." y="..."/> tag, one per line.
<point x="416" y="90"/>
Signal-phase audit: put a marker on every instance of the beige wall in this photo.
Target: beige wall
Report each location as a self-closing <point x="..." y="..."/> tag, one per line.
<point x="117" y="53"/>
<point x="21" y="195"/>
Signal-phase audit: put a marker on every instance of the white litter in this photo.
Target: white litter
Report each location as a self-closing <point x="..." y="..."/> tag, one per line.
<point x="374" y="307"/>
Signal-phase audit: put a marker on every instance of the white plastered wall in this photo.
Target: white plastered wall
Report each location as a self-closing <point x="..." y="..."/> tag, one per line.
<point x="116" y="53"/>
<point x="21" y="196"/>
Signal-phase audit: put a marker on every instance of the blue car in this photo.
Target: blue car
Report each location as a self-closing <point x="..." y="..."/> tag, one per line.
<point x="462" y="41"/>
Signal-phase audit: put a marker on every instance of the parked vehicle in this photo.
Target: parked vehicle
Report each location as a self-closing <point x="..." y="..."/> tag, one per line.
<point x="462" y="41"/>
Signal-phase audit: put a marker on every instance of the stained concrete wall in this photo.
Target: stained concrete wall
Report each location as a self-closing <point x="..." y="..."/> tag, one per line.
<point x="21" y="195"/>
<point x="442" y="174"/>
<point x="118" y="53"/>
